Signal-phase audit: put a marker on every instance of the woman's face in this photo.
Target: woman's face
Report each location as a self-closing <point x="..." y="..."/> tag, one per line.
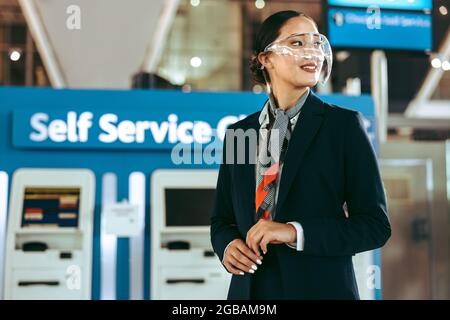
<point x="288" y="70"/>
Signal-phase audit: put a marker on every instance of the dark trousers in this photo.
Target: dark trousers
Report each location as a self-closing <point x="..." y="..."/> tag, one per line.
<point x="266" y="281"/>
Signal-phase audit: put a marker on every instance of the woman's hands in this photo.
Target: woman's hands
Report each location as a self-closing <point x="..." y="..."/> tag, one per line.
<point x="238" y="258"/>
<point x="241" y="257"/>
<point x="266" y="231"/>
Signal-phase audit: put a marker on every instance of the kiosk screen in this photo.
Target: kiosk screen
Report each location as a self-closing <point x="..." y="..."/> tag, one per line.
<point x="188" y="207"/>
<point x="51" y="207"/>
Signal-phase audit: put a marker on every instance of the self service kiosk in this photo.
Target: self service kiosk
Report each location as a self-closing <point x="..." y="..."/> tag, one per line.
<point x="184" y="265"/>
<point x="49" y="241"/>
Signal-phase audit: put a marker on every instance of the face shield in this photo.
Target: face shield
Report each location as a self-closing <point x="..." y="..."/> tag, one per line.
<point x="304" y="48"/>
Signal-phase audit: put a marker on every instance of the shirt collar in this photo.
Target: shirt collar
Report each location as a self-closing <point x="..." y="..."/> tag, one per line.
<point x="264" y="116"/>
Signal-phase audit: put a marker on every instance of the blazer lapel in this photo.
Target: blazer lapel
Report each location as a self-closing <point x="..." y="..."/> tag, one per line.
<point x="308" y="123"/>
<point x="246" y="172"/>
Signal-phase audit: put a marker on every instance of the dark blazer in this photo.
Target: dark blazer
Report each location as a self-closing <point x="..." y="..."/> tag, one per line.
<point x="330" y="161"/>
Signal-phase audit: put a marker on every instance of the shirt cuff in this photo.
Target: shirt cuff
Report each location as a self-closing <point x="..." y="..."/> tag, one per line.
<point x="299" y="244"/>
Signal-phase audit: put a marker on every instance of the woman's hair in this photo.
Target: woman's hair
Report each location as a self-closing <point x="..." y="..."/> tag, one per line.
<point x="268" y="33"/>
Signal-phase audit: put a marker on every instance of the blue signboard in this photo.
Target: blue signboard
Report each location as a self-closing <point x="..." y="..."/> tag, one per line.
<point x="94" y="129"/>
<point x="379" y="29"/>
<point x="385" y="4"/>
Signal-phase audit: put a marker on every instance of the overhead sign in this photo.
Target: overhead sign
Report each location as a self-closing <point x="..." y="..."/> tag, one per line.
<point x="379" y="29"/>
<point x="385" y="4"/>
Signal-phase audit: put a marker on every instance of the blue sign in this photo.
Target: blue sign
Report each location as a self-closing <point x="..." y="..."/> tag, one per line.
<point x="385" y="4"/>
<point x="89" y="129"/>
<point x="379" y="29"/>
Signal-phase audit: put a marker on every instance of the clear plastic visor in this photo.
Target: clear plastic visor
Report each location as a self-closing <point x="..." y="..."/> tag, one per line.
<point x="306" y="46"/>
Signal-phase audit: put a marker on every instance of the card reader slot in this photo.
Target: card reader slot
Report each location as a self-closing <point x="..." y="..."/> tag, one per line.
<point x="34" y="246"/>
<point x="177" y="281"/>
<point x="38" y="283"/>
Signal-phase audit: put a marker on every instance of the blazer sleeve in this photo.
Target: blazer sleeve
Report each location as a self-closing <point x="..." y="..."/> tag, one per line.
<point x="223" y="223"/>
<point x="367" y="226"/>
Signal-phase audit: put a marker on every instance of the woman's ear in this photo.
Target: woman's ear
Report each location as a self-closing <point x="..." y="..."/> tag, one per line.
<point x="264" y="59"/>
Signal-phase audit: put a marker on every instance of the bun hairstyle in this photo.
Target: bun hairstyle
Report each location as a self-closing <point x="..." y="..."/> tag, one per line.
<point x="268" y="33"/>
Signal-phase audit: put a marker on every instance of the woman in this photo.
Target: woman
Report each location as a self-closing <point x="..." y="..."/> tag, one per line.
<point x="287" y="224"/>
